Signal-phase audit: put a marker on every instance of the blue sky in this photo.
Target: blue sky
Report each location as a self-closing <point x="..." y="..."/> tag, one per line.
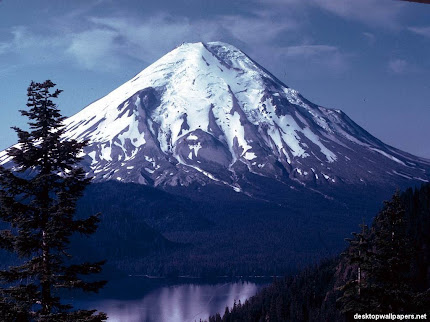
<point x="369" y="58"/>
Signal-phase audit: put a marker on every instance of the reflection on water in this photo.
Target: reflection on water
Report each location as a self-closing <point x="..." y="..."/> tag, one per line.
<point x="180" y="303"/>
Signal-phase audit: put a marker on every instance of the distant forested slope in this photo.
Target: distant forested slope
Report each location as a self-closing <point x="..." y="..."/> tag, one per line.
<point x="386" y="268"/>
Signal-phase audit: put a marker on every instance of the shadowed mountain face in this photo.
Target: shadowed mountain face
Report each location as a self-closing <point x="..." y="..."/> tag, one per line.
<point x="208" y="123"/>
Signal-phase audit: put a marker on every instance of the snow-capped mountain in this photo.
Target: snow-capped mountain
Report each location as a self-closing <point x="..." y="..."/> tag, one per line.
<point x="208" y="113"/>
<point x="242" y="159"/>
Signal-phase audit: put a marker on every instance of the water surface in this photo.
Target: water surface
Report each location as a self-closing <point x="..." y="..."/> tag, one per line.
<point x="187" y="302"/>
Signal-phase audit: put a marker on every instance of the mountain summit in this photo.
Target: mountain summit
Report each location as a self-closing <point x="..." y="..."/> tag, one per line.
<point x="207" y="113"/>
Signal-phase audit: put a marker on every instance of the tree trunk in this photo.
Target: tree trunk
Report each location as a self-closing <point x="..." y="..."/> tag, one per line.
<point x="46" y="287"/>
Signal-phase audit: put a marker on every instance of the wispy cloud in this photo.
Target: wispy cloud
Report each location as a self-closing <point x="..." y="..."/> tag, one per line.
<point x="371" y="38"/>
<point x="105" y="43"/>
<point x="158" y="35"/>
<point x="4" y="47"/>
<point x="372" y="12"/>
<point x="308" y="51"/>
<point x="108" y="41"/>
<point x="398" y="66"/>
<point x="423" y="31"/>
<point x="315" y="60"/>
<point x="32" y="48"/>
<point x="93" y="48"/>
<point x="377" y="13"/>
<point x="147" y="40"/>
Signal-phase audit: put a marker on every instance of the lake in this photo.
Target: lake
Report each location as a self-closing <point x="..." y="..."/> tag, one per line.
<point x="140" y="299"/>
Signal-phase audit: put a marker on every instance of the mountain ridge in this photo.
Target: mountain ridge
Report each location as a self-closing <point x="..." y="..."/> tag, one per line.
<point x="208" y="113"/>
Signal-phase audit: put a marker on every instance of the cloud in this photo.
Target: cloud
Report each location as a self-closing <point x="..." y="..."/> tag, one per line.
<point x="4" y="47"/>
<point x="105" y="43"/>
<point x="262" y="29"/>
<point x="30" y="47"/>
<point x="148" y="40"/>
<point x="93" y="48"/>
<point x="308" y="51"/>
<point x="161" y="32"/>
<point x="423" y="31"/>
<point x="376" y="13"/>
<point x="101" y="43"/>
<point x="371" y="38"/>
<point x="398" y="66"/>
<point x="372" y="12"/>
<point x="309" y="60"/>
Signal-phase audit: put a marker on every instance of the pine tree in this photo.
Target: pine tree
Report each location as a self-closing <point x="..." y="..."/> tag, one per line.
<point x="356" y="292"/>
<point x="393" y="254"/>
<point x="382" y="258"/>
<point x="38" y="200"/>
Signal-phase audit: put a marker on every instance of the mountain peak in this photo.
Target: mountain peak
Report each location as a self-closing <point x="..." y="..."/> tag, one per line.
<point x="207" y="113"/>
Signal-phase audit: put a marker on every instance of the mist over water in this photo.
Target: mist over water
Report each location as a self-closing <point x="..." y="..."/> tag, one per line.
<point x="176" y="303"/>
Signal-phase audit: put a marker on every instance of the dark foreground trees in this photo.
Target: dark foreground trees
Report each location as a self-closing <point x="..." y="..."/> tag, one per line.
<point x="384" y="259"/>
<point x="38" y="199"/>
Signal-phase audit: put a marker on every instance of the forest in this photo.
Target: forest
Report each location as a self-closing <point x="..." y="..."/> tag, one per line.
<point x="177" y="234"/>
<point x="385" y="269"/>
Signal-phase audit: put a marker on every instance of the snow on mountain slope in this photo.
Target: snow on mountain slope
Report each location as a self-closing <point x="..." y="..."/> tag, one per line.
<point x="207" y="113"/>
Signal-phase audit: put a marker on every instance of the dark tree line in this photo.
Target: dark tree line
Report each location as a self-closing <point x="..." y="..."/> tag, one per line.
<point x="386" y="268"/>
<point x="38" y="198"/>
<point x="385" y="259"/>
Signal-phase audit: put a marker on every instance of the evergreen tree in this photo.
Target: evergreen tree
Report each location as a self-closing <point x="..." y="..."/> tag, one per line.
<point x="38" y="201"/>
<point x="356" y="292"/>
<point x="382" y="259"/>
<point x="393" y="255"/>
